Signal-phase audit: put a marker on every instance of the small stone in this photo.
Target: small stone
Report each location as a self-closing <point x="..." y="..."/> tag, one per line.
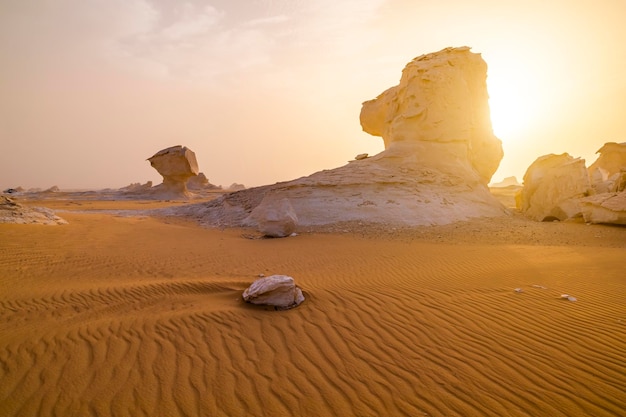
<point x="276" y="290"/>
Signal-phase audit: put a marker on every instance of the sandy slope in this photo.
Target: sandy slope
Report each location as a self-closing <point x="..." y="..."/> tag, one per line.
<point x="119" y="316"/>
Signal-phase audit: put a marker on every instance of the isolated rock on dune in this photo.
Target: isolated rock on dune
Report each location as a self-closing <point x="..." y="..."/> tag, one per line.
<point x="440" y="154"/>
<point x="176" y="165"/>
<point x="608" y="172"/>
<point x="276" y="290"/>
<point x="441" y="99"/>
<point x="553" y="187"/>
<point x="274" y="218"/>
<point x="13" y="212"/>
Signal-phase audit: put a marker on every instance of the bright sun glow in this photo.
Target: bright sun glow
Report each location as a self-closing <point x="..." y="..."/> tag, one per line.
<point x="511" y="105"/>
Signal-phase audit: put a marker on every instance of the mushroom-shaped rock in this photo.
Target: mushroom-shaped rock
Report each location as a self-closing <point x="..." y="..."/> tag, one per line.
<point x="440" y="153"/>
<point x="441" y="99"/>
<point x="274" y="217"/>
<point x="176" y="165"/>
<point x="276" y="290"/>
<point x="553" y="187"/>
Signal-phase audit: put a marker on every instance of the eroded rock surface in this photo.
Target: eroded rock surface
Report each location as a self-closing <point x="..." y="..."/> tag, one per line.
<point x="553" y="187"/>
<point x="176" y="165"/>
<point x="274" y="218"/>
<point x="442" y="98"/>
<point x="608" y="208"/>
<point x="13" y="212"/>
<point x="276" y="290"/>
<point x="440" y="155"/>
<point x="608" y="172"/>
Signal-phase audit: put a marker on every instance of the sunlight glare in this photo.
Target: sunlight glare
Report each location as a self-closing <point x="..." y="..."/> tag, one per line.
<point x="512" y="107"/>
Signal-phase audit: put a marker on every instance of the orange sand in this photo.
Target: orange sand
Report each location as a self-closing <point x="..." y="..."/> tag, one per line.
<point x="136" y="316"/>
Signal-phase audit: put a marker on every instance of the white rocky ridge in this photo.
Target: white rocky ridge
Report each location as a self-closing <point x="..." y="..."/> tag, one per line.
<point x="13" y="212"/>
<point x="440" y="153"/>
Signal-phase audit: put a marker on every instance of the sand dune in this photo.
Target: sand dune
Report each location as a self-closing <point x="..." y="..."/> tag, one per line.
<point x="135" y="316"/>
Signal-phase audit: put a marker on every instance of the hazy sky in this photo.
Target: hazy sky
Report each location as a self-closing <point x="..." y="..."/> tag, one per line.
<point x="270" y="90"/>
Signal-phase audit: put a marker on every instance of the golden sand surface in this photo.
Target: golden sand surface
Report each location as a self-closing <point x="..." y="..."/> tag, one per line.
<point x="140" y="316"/>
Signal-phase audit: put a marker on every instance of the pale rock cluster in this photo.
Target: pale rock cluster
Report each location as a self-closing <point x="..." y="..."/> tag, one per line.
<point x="440" y="153"/>
<point x="560" y="187"/>
<point x="13" y="212"/>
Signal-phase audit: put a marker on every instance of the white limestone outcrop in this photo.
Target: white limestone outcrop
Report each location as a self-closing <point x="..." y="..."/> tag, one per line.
<point x="440" y="155"/>
<point x="553" y="186"/>
<point x="441" y="99"/>
<point x="608" y="172"/>
<point x="274" y="217"/>
<point x="176" y="165"/>
<point x="13" y="212"/>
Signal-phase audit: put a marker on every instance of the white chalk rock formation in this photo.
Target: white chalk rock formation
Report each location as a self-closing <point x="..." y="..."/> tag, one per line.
<point x="176" y="165"/>
<point x="13" y="212"/>
<point x="274" y="217"/>
<point x="608" y="179"/>
<point x="608" y="172"/>
<point x="440" y="155"/>
<point x="276" y="290"/>
<point x="441" y="99"/>
<point x="608" y="208"/>
<point x="553" y="187"/>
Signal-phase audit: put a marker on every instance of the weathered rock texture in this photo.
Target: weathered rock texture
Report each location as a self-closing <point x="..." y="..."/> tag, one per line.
<point x="13" y="212"/>
<point x="608" y="179"/>
<point x="559" y="187"/>
<point x="274" y="218"/>
<point x="440" y="154"/>
<point x="553" y="186"/>
<point x="609" y="208"/>
<point x="176" y="165"/>
<point x="608" y="172"/>
<point x="442" y="98"/>
<point x="276" y="290"/>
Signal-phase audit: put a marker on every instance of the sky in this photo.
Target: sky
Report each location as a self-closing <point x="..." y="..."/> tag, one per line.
<point x="271" y="90"/>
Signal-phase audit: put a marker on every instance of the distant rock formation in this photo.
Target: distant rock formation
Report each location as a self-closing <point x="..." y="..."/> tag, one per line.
<point x="440" y="155"/>
<point x="13" y="212"/>
<point x="559" y="187"/>
<point x="236" y="187"/>
<point x="200" y="182"/>
<point x="279" y="291"/>
<point x="176" y="165"/>
<point x="553" y="186"/>
<point x="506" y="182"/>
<point x="137" y="187"/>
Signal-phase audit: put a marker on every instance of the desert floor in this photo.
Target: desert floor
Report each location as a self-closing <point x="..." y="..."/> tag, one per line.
<point x="113" y="315"/>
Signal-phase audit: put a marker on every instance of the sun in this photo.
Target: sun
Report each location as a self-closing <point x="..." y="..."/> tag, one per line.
<point x="513" y="106"/>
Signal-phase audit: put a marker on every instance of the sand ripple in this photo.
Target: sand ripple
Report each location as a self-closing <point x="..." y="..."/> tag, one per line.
<point x="388" y="327"/>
